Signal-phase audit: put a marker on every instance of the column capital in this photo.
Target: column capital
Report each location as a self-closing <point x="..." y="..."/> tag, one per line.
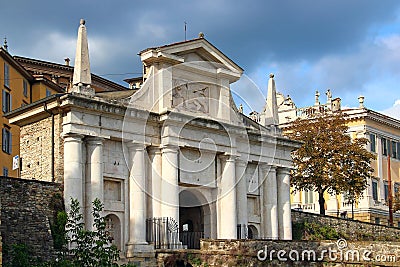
<point x="228" y="157"/>
<point x="72" y="137"/>
<point x="153" y="150"/>
<point x="169" y="149"/>
<point x="284" y="170"/>
<point x="94" y="140"/>
<point x="134" y="145"/>
<point x="267" y="167"/>
<point x="241" y="163"/>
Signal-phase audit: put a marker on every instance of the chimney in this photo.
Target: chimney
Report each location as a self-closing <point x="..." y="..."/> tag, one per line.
<point x="67" y="60"/>
<point x="361" y="101"/>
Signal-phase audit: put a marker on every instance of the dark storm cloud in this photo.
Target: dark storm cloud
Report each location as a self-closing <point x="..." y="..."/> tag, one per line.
<point x="282" y="34"/>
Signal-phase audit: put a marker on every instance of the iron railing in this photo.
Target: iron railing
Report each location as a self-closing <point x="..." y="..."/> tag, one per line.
<point x="191" y="240"/>
<point x="241" y="231"/>
<point x="164" y="234"/>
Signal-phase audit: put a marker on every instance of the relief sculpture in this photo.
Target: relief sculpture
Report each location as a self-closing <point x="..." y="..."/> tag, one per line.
<point x="192" y="97"/>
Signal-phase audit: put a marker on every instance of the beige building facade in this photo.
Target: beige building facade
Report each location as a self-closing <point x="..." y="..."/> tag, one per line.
<point x="384" y="135"/>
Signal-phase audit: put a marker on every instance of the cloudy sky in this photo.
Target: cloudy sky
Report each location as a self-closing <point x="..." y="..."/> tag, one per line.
<point x="351" y="47"/>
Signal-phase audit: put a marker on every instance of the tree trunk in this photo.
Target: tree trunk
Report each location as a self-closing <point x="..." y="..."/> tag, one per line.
<point x="321" y="202"/>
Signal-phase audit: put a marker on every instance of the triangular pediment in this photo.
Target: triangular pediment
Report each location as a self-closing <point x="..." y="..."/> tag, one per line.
<point x="189" y="50"/>
<point x="191" y="77"/>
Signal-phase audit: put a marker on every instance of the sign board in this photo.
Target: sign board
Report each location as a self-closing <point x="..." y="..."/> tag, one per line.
<point x="15" y="162"/>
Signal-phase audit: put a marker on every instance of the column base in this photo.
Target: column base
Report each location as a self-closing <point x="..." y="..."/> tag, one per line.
<point x="139" y="250"/>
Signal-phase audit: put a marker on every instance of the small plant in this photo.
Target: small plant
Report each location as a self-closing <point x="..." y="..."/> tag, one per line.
<point x="20" y="256"/>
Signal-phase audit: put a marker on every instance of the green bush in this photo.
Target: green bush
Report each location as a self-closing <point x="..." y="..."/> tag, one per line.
<point x="313" y="231"/>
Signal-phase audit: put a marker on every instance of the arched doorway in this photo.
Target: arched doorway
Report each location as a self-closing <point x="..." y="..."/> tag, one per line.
<point x="113" y="227"/>
<point x="194" y="218"/>
<point x="252" y="232"/>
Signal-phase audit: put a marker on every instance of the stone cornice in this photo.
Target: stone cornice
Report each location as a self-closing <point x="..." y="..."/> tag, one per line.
<point x="372" y="115"/>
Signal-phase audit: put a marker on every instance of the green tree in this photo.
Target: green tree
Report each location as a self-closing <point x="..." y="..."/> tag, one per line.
<point x="90" y="248"/>
<point x="329" y="160"/>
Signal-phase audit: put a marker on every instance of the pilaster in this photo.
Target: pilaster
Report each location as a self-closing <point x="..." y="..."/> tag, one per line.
<point x="137" y="200"/>
<point x="169" y="185"/>
<point x="270" y="200"/>
<point x="227" y="200"/>
<point x="284" y="209"/>
<point x="94" y="176"/>
<point x="241" y="193"/>
<point x="155" y="157"/>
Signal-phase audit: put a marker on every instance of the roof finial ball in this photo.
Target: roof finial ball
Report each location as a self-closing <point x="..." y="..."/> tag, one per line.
<point x="201" y="35"/>
<point x="271" y="75"/>
<point x="82" y="22"/>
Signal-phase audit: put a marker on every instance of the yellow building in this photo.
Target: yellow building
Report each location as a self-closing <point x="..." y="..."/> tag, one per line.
<point x="15" y="92"/>
<point x="18" y="88"/>
<point x="24" y="81"/>
<point x="384" y="135"/>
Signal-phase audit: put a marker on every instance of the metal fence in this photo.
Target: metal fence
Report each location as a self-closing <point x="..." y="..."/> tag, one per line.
<point x="191" y="240"/>
<point x="164" y="234"/>
<point x="241" y="231"/>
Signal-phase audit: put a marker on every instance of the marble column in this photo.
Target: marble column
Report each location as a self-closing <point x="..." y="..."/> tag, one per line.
<point x="241" y="193"/>
<point x="270" y="200"/>
<point x="94" y="176"/>
<point x="137" y="197"/>
<point x="169" y="184"/>
<point x="284" y="210"/>
<point x="155" y="172"/>
<point x="227" y="201"/>
<point x="73" y="170"/>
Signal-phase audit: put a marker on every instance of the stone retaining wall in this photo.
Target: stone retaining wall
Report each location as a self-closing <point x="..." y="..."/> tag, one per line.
<point x="350" y="229"/>
<point x="285" y="253"/>
<point x="26" y="212"/>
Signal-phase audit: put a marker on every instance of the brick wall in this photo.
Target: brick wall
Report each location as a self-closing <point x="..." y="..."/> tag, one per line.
<point x="351" y="229"/>
<point x="36" y="149"/>
<point x="26" y="213"/>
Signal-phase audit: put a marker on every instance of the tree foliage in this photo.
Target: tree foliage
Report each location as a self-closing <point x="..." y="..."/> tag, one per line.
<point x="329" y="160"/>
<point x="90" y="248"/>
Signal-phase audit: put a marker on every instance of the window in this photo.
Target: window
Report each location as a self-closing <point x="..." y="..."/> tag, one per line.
<point x="48" y="92"/>
<point x="6" y="143"/>
<point x="384" y="147"/>
<point x="386" y="191"/>
<point x="394" y="150"/>
<point x="6" y="100"/>
<point x="6" y="75"/>
<point x="398" y="150"/>
<point x="375" y="190"/>
<point x="308" y="197"/>
<point x="372" y="139"/>
<point x="25" y="86"/>
<point x="5" y="171"/>
<point x="377" y="220"/>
